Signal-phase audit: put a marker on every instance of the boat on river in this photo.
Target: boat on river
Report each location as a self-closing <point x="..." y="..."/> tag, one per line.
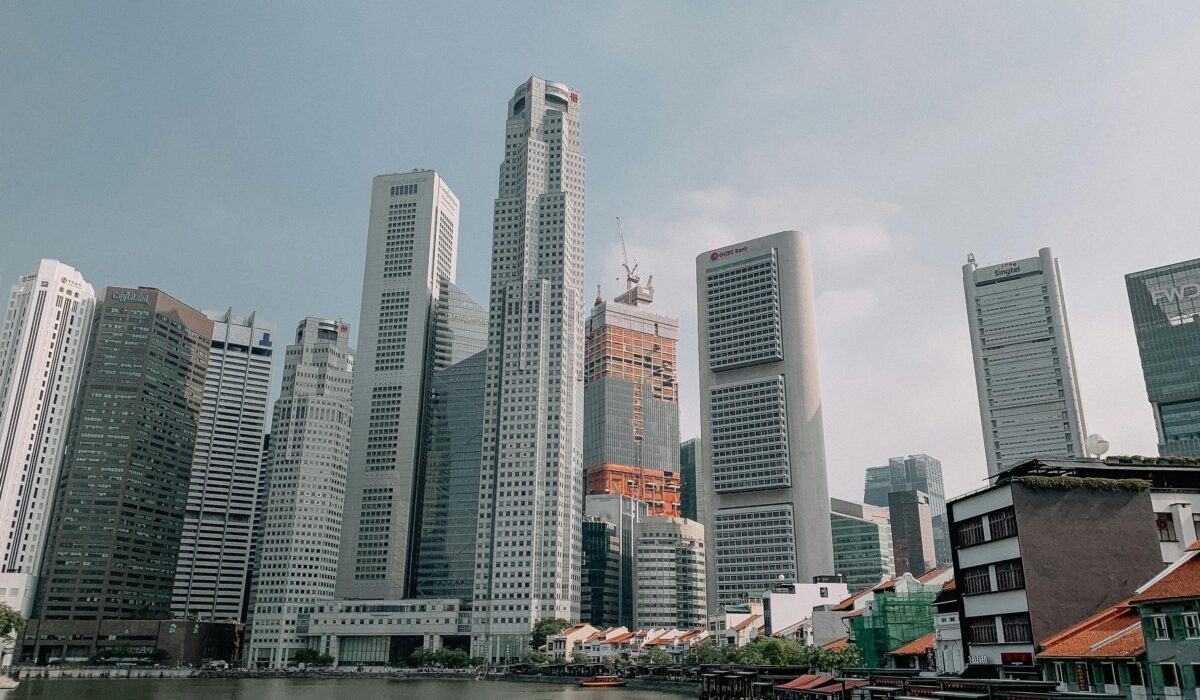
<point x="602" y="682"/>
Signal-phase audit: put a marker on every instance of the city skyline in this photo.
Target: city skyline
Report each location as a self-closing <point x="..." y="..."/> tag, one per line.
<point x="880" y="224"/>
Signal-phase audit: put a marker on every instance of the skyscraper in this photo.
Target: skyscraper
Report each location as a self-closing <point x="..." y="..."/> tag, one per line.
<point x="1029" y="402"/>
<point x="42" y="348"/>
<point x="670" y="573"/>
<point x="624" y="513"/>
<point x="862" y="543"/>
<point x="412" y="244"/>
<point x="631" y="400"/>
<point x="763" y="495"/>
<point x="914" y="472"/>
<point x="123" y="487"/>
<point x="1165" y="302"/>
<point x="450" y="495"/>
<point x="687" y="478"/>
<point x="302" y="516"/>
<point x="600" y="600"/>
<point x="529" y="553"/>
<point x="912" y="532"/>
<point x="214" y="553"/>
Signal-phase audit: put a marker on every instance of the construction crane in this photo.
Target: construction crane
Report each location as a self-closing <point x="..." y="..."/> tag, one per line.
<point x="631" y="275"/>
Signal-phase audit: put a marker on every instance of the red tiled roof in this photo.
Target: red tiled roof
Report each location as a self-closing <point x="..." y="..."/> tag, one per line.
<point x="920" y="645"/>
<point x="808" y="680"/>
<point x="617" y="639"/>
<point x="745" y="623"/>
<point x="848" y="603"/>
<point x="949" y="585"/>
<point x="857" y="613"/>
<point x="836" y="688"/>
<point x="1115" y="632"/>
<point x="1182" y="582"/>
<point x="1193" y="546"/>
<point x="838" y="644"/>
<point x="932" y="574"/>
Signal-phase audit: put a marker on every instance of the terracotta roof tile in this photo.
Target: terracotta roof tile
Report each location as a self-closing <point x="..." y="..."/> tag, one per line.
<point x="920" y="645"/>
<point x="1183" y="582"/>
<point x="1112" y="632"/>
<point x="746" y="623"/>
<point x="848" y="603"/>
<point x="808" y="680"/>
<point x="932" y="574"/>
<point x="842" y="643"/>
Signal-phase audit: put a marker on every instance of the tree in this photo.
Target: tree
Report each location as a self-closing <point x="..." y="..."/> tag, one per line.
<point x="547" y="628"/>
<point x="581" y="657"/>
<point x="618" y="662"/>
<point x="10" y="620"/>
<point x="709" y="652"/>
<point x="657" y="657"/>
<point x="312" y="657"/>
<point x="533" y="657"/>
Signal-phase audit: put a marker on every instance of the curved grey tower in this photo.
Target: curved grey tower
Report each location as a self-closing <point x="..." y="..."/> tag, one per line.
<point x="763" y="495"/>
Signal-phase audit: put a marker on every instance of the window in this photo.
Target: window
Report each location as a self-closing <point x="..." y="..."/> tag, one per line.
<point x="1162" y="628"/>
<point x="1191" y="625"/>
<point x="970" y="532"/>
<point x="1016" y="628"/>
<point x="1135" y="674"/>
<point x="1170" y="675"/>
<point x="976" y="580"/>
<point x="1196" y="524"/>
<point x="1060" y="673"/>
<point x="1002" y="523"/>
<point x="1010" y="575"/>
<point x="981" y="630"/>
<point x="1166" y="527"/>
<point x="1109" y="673"/>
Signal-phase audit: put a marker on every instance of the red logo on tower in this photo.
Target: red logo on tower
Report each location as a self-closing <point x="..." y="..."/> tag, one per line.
<point x="724" y="253"/>
<point x="574" y="96"/>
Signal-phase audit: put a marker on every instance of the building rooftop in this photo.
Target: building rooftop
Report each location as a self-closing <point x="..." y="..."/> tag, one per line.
<point x="916" y="647"/>
<point x="1180" y="580"/>
<point x="1114" y="632"/>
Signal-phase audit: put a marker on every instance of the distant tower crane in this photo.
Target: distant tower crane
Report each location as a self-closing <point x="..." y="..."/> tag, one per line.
<point x="631" y="274"/>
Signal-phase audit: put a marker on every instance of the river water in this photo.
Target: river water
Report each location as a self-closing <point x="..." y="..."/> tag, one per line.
<point x="320" y="689"/>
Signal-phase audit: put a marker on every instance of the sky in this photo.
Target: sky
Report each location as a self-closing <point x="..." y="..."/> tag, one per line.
<point x="223" y="152"/>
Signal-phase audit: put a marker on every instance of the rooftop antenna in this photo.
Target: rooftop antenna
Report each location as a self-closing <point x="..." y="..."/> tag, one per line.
<point x="631" y="275"/>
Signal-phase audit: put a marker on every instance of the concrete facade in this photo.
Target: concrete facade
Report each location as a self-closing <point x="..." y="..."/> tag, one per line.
<point x="763" y="494"/>
<point x="43" y="339"/>
<point x="669" y="568"/>
<point x="1029" y="403"/>
<point x="911" y="521"/>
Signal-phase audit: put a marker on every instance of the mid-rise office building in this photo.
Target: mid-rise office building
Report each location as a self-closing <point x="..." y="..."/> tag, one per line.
<point x="911" y="520"/>
<point x="687" y="478"/>
<point x="450" y="495"/>
<point x="302" y="517"/>
<point x="631" y="387"/>
<point x="670" y="573"/>
<point x="42" y="348"/>
<point x="1029" y="403"/>
<point x="412" y="243"/>
<point x="123" y="486"/>
<point x="913" y="473"/>
<point x="623" y="513"/>
<point x="763" y="494"/>
<point x="1165" y="302"/>
<point x="600" y="598"/>
<point x="529" y="555"/>
<point x="862" y="543"/>
<point x="211" y="576"/>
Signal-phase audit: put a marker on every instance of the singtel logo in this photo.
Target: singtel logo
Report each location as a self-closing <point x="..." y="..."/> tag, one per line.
<point x="732" y="251"/>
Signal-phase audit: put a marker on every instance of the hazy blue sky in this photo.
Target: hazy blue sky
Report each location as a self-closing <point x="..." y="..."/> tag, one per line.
<point x="224" y="152"/>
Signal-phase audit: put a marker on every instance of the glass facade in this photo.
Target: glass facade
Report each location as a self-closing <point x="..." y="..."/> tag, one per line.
<point x="122" y="492"/>
<point x="862" y="550"/>
<point x="687" y="478"/>
<point x="1165" y="303"/>
<point x="913" y="473"/>
<point x="600" y="601"/>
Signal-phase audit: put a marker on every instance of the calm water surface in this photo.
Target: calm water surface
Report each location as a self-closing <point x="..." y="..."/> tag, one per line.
<point x="308" y="689"/>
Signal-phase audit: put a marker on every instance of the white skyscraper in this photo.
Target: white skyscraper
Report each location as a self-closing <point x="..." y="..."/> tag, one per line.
<point x="412" y="244"/>
<point x="214" y="551"/>
<point x="529" y="554"/>
<point x="763" y="496"/>
<point x="42" y="346"/>
<point x="306" y="481"/>
<point x="1024" y="368"/>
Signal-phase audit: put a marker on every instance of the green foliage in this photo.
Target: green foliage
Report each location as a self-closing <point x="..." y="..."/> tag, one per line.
<point x="1164" y="461"/>
<point x="1076" y="482"/>
<point x="547" y="628"/>
<point x="774" y="651"/>
<point x="657" y="657"/>
<point x="10" y="620"/>
<point x="534" y="657"/>
<point x="581" y="657"/>
<point x="439" y="658"/>
<point x="618" y="662"/>
<point x="312" y="657"/>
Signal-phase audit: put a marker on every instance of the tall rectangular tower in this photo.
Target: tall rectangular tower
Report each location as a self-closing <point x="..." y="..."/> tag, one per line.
<point x="123" y="487"/>
<point x="1165" y="302"/>
<point x="1029" y="402"/>
<point x="412" y="244"/>
<point x="42" y="348"/>
<point x="214" y="554"/>
<point x="305" y="492"/>
<point x="913" y="473"/>
<point x="529" y="554"/>
<point x="763" y="494"/>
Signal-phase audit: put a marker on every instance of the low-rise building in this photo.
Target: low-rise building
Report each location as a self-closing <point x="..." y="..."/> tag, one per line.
<point x="166" y="642"/>
<point x="887" y="617"/>
<point x="788" y="608"/>
<point x="385" y="632"/>
<point x="1103" y="653"/>
<point x="736" y="624"/>
<point x="562" y="646"/>
<point x="947" y="642"/>
<point x="1027" y="547"/>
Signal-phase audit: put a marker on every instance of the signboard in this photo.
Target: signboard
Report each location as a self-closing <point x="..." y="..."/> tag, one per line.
<point x="1175" y="295"/>
<point x="717" y="255"/>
